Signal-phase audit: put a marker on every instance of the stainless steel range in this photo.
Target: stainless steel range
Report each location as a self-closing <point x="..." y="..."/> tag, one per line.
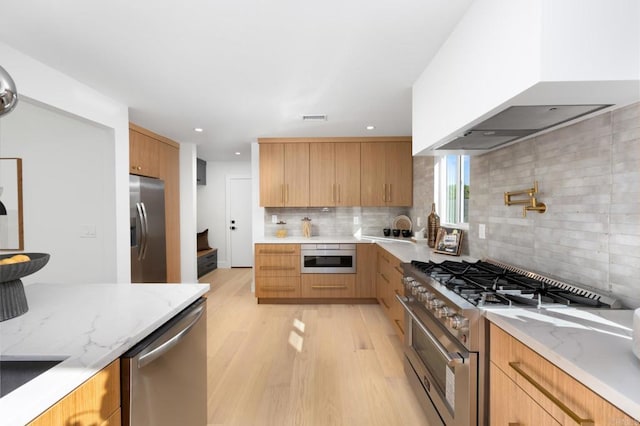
<point x="446" y="343"/>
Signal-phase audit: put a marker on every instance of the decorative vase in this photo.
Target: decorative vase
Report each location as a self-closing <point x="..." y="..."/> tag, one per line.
<point x="306" y="227"/>
<point x="433" y="225"/>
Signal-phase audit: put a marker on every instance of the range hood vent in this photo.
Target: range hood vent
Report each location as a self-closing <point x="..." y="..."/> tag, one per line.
<point x="517" y="122"/>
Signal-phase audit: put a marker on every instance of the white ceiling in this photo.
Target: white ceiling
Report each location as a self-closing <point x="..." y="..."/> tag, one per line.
<point x="241" y="69"/>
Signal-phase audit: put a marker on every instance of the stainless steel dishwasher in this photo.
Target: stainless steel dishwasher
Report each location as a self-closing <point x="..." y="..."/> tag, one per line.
<point x="164" y="377"/>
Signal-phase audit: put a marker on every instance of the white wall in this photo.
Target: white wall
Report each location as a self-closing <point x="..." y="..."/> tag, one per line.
<point x="212" y="205"/>
<point x="188" y="216"/>
<point x="67" y="175"/>
<point x="42" y="84"/>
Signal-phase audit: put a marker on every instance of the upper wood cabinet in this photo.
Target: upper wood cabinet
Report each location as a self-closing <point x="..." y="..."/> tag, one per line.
<point x="386" y="174"/>
<point x="321" y="172"/>
<point x="284" y="175"/>
<point x="144" y="154"/>
<point x="156" y="156"/>
<point x="334" y="174"/>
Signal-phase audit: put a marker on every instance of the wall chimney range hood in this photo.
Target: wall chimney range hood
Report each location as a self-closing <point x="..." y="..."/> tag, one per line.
<point x="517" y="122"/>
<point x="511" y="69"/>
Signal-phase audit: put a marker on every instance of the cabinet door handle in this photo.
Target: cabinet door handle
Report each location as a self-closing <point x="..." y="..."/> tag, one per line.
<point x="277" y="268"/>
<point x="385" y="278"/>
<point x="333" y="187"/>
<point x="398" y="269"/>
<point x="277" y="251"/>
<point x="338" y="186"/>
<point x="389" y="199"/>
<point x="384" y="192"/>
<point x="554" y="399"/>
<point x="320" y="287"/>
<point x="384" y="303"/>
<point x="282" y="193"/>
<point x="276" y="288"/>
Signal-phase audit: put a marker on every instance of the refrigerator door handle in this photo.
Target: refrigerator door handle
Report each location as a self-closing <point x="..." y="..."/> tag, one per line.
<point x="145" y="231"/>
<point x="142" y="231"/>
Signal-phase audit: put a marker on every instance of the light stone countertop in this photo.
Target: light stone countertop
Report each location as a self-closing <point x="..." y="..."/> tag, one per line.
<point x="593" y="346"/>
<point x="88" y="325"/>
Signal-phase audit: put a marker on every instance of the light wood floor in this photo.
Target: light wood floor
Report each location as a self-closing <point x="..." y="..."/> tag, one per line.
<point x="301" y="364"/>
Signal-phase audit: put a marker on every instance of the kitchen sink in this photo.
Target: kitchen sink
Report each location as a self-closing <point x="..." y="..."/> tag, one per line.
<point x="15" y="373"/>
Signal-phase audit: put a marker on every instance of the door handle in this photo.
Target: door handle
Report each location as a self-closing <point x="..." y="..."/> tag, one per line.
<point x="143" y="234"/>
<point x="145" y="229"/>
<point x="163" y="348"/>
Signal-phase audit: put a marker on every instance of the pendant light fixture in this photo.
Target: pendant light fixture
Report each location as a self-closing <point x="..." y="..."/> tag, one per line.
<point x="8" y="92"/>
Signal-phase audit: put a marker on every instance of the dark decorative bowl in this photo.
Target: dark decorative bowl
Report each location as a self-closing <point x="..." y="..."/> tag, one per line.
<point x="13" y="301"/>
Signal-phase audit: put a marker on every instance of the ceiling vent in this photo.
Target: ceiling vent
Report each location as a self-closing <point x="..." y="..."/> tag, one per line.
<point x="314" y="117"/>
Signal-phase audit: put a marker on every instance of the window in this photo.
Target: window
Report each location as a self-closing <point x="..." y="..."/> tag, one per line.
<point x="451" y="189"/>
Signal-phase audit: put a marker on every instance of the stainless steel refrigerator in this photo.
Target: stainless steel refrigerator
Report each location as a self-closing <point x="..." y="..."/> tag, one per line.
<point x="148" y="245"/>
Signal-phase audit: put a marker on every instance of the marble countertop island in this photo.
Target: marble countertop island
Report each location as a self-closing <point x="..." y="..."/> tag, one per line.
<point x="593" y="346"/>
<point x="87" y="326"/>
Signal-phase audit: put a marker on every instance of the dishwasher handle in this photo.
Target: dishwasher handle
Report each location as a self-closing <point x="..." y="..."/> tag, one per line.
<point x="156" y="352"/>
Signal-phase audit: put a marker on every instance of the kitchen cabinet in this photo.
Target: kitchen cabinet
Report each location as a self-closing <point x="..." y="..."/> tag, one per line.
<point x="527" y="389"/>
<point x="334" y="174"/>
<point x="277" y="271"/>
<point x="366" y="271"/>
<point x="386" y="174"/>
<point x="328" y="286"/>
<point x="201" y="172"/>
<point x="284" y="174"/>
<point x="95" y="402"/>
<point x="159" y="157"/>
<point x="144" y="154"/>
<point x="388" y="285"/>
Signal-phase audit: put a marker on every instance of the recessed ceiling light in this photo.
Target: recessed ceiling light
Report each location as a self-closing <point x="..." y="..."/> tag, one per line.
<point x="371" y="127"/>
<point x="198" y="129"/>
<point x="237" y="152"/>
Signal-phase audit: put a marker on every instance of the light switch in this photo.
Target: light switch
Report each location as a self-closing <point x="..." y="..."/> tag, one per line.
<point x="356" y="220"/>
<point x="274" y="218"/>
<point x="87" y="231"/>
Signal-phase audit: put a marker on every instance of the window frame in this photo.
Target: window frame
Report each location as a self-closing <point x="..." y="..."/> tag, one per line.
<point x="440" y="190"/>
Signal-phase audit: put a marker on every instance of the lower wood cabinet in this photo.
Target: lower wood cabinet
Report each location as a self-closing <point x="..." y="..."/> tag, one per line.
<point x="328" y="285"/>
<point x="527" y="389"/>
<point x="277" y="271"/>
<point x="388" y="285"/>
<point x="95" y="402"/>
<point x="277" y="276"/>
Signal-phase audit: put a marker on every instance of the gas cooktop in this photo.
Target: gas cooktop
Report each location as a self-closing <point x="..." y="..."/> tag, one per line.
<point x="491" y="283"/>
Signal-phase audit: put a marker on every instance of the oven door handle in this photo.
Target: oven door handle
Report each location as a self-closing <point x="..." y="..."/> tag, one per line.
<point x="452" y="358"/>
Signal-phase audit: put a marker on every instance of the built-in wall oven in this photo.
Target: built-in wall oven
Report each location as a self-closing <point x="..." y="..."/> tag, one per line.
<point x="328" y="258"/>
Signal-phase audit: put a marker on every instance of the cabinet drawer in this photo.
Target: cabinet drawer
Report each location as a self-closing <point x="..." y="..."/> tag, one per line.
<point x="549" y="385"/>
<point x="518" y="408"/>
<point x="277" y="287"/>
<point x="328" y="285"/>
<point x="277" y="266"/>
<point x="278" y="249"/>
<point x="93" y="402"/>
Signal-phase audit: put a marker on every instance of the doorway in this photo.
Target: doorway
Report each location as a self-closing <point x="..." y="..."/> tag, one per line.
<point x="239" y="236"/>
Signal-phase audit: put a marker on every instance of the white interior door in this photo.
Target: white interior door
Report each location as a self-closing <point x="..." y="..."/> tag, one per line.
<point x="239" y="221"/>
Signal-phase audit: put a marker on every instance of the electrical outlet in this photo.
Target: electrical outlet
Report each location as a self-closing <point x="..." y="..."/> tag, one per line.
<point x="419" y="221"/>
<point x="87" y="231"/>
<point x="274" y="218"/>
<point x="356" y="220"/>
<point x="482" y="231"/>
